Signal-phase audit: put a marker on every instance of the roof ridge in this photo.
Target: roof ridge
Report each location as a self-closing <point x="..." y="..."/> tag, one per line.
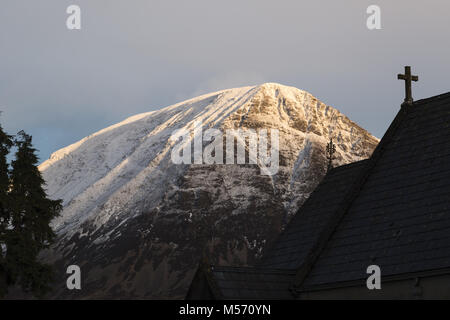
<point x="253" y="269"/>
<point x="355" y="163"/>
<point x="433" y="98"/>
<point x="269" y="250"/>
<point x="348" y="199"/>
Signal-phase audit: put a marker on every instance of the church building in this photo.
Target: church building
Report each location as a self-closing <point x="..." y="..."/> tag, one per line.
<point x="373" y="229"/>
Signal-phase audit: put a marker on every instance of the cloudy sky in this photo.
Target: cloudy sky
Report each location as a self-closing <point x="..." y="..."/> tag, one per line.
<point x="133" y="56"/>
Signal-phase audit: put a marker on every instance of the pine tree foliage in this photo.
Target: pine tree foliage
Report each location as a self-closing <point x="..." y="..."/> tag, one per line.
<point x="5" y="145"/>
<point x="29" y="216"/>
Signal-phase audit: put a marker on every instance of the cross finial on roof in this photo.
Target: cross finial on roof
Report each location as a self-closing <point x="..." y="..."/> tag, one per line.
<point x="408" y="78"/>
<point x="331" y="150"/>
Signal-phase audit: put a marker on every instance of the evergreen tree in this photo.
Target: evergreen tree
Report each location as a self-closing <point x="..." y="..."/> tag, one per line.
<point x="5" y="145"/>
<point x="31" y="213"/>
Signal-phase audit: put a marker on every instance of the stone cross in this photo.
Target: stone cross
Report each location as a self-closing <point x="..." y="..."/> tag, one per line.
<point x="408" y="78"/>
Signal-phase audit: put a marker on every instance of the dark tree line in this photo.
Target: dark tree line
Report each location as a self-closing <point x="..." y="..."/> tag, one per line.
<point x="25" y="215"/>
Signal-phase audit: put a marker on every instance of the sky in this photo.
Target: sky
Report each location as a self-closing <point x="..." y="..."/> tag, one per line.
<point x="134" y="56"/>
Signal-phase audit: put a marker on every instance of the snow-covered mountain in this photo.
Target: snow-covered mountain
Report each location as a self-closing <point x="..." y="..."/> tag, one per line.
<point x="137" y="223"/>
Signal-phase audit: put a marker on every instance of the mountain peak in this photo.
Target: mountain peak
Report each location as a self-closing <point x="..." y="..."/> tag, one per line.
<point x="123" y="195"/>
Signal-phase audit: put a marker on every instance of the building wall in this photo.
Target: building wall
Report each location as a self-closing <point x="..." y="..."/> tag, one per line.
<point x="431" y="287"/>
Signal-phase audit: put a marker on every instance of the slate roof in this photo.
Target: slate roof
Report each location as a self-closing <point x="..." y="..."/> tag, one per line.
<point x="301" y="234"/>
<point x="392" y="210"/>
<point x="240" y="283"/>
<point x="400" y="217"/>
<point x="277" y="271"/>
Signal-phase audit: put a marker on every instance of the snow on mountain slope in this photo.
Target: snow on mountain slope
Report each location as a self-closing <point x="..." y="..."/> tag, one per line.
<point x="138" y="215"/>
<point x="106" y="168"/>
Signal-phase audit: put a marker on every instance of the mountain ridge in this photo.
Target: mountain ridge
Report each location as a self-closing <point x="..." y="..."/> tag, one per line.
<point x="123" y="196"/>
